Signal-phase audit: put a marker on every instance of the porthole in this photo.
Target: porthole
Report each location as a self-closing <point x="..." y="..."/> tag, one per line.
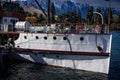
<point x="25" y="37"/>
<point x="18" y="46"/>
<point x="37" y="37"/>
<point x="45" y="38"/>
<point x="57" y="56"/>
<point x="81" y="38"/>
<point x="43" y="55"/>
<point x="100" y="48"/>
<point x="64" y="38"/>
<point x="54" y="37"/>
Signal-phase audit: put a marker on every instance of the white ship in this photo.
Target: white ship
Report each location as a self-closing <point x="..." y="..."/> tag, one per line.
<point x="79" y="50"/>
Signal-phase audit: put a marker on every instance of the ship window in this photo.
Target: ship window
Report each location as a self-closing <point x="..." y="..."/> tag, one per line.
<point x="25" y="37"/>
<point x="81" y="38"/>
<point x="16" y="21"/>
<point x="45" y="38"/>
<point x="0" y="27"/>
<point x="10" y="28"/>
<point x="54" y="38"/>
<point x="5" y="20"/>
<point x="18" y="46"/>
<point x="11" y="20"/>
<point x="37" y="37"/>
<point x="64" y="38"/>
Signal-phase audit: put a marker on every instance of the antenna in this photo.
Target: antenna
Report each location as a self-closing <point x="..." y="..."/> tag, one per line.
<point x="40" y="7"/>
<point x="109" y="12"/>
<point x="48" y="10"/>
<point x="109" y="4"/>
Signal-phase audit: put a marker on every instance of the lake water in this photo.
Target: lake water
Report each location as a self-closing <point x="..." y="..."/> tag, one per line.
<point x="114" y="73"/>
<point x="17" y="70"/>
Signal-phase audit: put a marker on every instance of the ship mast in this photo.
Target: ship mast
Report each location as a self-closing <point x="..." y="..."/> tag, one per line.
<point x="48" y="12"/>
<point x="41" y="8"/>
<point x="109" y="8"/>
<point x="109" y="12"/>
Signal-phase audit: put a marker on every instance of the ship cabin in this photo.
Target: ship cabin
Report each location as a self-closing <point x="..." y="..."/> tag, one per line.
<point x="10" y="13"/>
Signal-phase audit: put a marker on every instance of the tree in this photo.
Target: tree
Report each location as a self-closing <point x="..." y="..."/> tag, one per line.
<point x="31" y="19"/>
<point x="111" y="15"/>
<point x="35" y="14"/>
<point x="105" y="18"/>
<point x="108" y="15"/>
<point x="40" y="18"/>
<point x="89" y="17"/>
<point x="75" y="16"/>
<point x="98" y="19"/>
<point x="28" y="14"/>
<point x="79" y="17"/>
<point x="119" y="19"/>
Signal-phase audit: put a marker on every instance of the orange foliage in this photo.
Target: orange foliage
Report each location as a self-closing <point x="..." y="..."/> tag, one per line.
<point x="31" y="19"/>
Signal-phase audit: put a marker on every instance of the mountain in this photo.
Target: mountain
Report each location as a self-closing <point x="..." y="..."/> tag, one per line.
<point x="63" y="6"/>
<point x="32" y="10"/>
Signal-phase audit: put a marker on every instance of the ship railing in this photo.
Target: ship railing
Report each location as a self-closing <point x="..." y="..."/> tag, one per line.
<point x="59" y="29"/>
<point x="71" y="29"/>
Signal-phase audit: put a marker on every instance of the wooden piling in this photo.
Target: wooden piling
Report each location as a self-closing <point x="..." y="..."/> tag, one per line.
<point x="1" y="55"/>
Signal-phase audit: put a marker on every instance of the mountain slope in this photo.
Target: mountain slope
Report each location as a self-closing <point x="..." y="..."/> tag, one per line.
<point x="32" y="10"/>
<point x="63" y="6"/>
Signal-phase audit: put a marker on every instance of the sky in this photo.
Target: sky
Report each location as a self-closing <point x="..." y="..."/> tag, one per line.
<point x="114" y="3"/>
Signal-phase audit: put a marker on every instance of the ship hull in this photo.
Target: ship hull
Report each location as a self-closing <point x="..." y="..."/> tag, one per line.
<point x="90" y="52"/>
<point x="94" y="63"/>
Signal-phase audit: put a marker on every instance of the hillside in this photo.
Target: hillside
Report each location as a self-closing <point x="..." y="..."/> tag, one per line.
<point x="63" y="6"/>
<point x="32" y="10"/>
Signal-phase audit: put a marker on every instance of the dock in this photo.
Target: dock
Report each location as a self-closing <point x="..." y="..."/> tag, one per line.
<point x="1" y="53"/>
<point x="4" y="53"/>
<point x="5" y="59"/>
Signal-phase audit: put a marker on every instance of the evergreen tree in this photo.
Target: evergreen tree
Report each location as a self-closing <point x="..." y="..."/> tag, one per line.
<point x="98" y="17"/>
<point x="40" y="18"/>
<point x="89" y="17"/>
<point x="35" y="14"/>
<point x="79" y="16"/>
<point x="105" y="18"/>
<point x="75" y="16"/>
<point x="28" y="14"/>
<point x="119" y="19"/>
<point x="111" y="15"/>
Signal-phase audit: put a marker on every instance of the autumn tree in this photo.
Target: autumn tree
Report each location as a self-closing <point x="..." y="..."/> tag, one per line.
<point x="31" y="19"/>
